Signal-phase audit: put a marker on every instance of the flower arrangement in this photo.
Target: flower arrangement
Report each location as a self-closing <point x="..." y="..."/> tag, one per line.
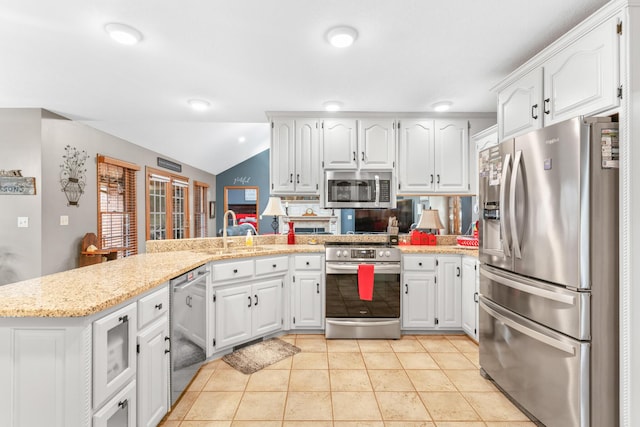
<point x="72" y="174"/>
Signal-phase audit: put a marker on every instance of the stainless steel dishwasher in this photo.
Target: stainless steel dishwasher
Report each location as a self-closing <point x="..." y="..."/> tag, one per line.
<point x="188" y="327"/>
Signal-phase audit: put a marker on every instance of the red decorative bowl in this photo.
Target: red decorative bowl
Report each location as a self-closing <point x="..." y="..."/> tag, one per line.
<point x="467" y="241"/>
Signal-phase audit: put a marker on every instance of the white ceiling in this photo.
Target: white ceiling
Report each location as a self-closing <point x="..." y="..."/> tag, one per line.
<point x="251" y="56"/>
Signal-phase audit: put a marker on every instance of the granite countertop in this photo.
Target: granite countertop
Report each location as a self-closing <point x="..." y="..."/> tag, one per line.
<point x="89" y="290"/>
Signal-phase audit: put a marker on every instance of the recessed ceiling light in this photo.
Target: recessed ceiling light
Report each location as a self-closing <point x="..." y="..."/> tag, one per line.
<point x="123" y="33"/>
<point x="199" y="104"/>
<point x="442" y="106"/>
<point x="242" y="139"/>
<point x="342" y="36"/>
<point x="332" y="105"/>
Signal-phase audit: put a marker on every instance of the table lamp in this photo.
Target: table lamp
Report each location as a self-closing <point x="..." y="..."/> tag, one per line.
<point x="430" y="220"/>
<point x="274" y="208"/>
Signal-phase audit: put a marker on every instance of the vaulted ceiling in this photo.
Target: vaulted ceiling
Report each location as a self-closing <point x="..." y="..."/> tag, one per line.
<point x="246" y="57"/>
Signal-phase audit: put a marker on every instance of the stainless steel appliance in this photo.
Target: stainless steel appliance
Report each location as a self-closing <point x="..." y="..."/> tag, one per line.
<point x="348" y="316"/>
<point x="549" y="274"/>
<point x="358" y="189"/>
<point x="188" y="328"/>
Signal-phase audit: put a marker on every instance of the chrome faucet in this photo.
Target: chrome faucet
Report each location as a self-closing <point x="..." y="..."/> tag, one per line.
<point x="225" y="223"/>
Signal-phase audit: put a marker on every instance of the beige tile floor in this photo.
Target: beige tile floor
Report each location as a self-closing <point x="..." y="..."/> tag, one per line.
<point x="426" y="381"/>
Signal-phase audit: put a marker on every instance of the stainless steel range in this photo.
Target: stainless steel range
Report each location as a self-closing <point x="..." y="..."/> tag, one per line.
<point x="349" y="316"/>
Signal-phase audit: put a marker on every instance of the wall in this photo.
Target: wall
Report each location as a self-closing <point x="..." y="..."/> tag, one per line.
<point x="253" y="172"/>
<point x="51" y="246"/>
<point x="20" y="248"/>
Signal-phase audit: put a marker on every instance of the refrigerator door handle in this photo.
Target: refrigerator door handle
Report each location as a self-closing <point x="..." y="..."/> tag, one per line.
<point x="506" y="242"/>
<point x="543" y="293"/>
<point x="512" y="205"/>
<point x="567" y="348"/>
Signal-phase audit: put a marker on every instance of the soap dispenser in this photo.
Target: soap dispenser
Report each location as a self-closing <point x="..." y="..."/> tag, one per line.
<point x="248" y="241"/>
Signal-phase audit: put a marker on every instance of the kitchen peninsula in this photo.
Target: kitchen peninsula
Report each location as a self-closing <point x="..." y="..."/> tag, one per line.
<point x="52" y="336"/>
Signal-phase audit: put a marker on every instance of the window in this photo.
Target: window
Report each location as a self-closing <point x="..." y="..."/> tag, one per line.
<point x="167" y="205"/>
<point x="117" y="213"/>
<point x="200" y="208"/>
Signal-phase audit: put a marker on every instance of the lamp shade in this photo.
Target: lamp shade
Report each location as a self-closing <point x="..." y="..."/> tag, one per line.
<point x="274" y="207"/>
<point x="430" y="219"/>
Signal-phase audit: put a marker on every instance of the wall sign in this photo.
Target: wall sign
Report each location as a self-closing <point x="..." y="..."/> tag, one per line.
<point x="168" y="164"/>
<point x="12" y="182"/>
<point x="241" y="180"/>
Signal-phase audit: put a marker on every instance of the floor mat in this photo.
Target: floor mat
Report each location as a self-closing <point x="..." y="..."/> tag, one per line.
<point x="257" y="356"/>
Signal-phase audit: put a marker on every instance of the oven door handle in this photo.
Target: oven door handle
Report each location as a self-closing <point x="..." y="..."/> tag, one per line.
<point x="357" y="323"/>
<point x="346" y="269"/>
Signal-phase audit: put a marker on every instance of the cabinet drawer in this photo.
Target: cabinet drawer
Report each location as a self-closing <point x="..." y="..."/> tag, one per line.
<point x="272" y="265"/>
<point x="419" y="263"/>
<point x="232" y="270"/>
<point x="308" y="262"/>
<point x="152" y="306"/>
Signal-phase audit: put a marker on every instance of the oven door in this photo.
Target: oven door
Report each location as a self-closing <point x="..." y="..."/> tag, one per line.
<point x="343" y="300"/>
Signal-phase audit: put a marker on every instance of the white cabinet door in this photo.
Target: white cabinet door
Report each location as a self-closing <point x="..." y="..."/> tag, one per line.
<point x="153" y="372"/>
<point x="282" y="156"/>
<point x="307" y="157"/>
<point x="120" y="411"/>
<point x="377" y="143"/>
<point x="307" y="300"/>
<point x="468" y="297"/>
<point x="449" y="289"/>
<point x="418" y="300"/>
<point x="266" y="312"/>
<point x="520" y="106"/>
<point x="416" y="147"/>
<point x="114" y="352"/>
<point x="583" y="78"/>
<point x="452" y="155"/>
<point x="233" y="315"/>
<point x="340" y="144"/>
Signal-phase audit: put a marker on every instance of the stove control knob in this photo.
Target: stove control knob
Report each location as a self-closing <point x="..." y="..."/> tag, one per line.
<point x="387" y="254"/>
<point x="381" y="254"/>
<point x="338" y="253"/>
<point x="345" y="253"/>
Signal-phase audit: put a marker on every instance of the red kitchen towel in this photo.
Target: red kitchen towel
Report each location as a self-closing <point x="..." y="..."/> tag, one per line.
<point x="365" y="281"/>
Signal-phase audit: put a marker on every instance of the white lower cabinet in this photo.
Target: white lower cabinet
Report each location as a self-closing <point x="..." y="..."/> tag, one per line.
<point x="470" y="296"/>
<point x="307" y="293"/>
<point x="114" y="352"/>
<point x="120" y="411"/>
<point x="431" y="287"/>
<point x="153" y="358"/>
<point x="247" y="311"/>
<point x="418" y="300"/>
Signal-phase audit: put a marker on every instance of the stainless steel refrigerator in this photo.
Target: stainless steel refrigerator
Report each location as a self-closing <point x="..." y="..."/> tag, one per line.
<point x="549" y="273"/>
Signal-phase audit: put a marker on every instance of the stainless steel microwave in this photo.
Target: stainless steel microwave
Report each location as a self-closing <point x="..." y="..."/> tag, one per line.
<point x="359" y="189"/>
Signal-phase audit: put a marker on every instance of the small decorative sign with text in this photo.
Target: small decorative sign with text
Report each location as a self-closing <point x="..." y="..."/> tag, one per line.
<point x="168" y="164"/>
<point x="12" y="182"/>
<point x="241" y="180"/>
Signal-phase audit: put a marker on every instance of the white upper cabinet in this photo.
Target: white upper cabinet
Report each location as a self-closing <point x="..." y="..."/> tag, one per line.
<point x="294" y="156"/>
<point x="433" y="156"/>
<point x="581" y="78"/>
<point x="340" y="144"/>
<point x="307" y="148"/>
<point x="520" y="108"/>
<point x="452" y="155"/>
<point x="377" y="143"/>
<point x="416" y="148"/>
